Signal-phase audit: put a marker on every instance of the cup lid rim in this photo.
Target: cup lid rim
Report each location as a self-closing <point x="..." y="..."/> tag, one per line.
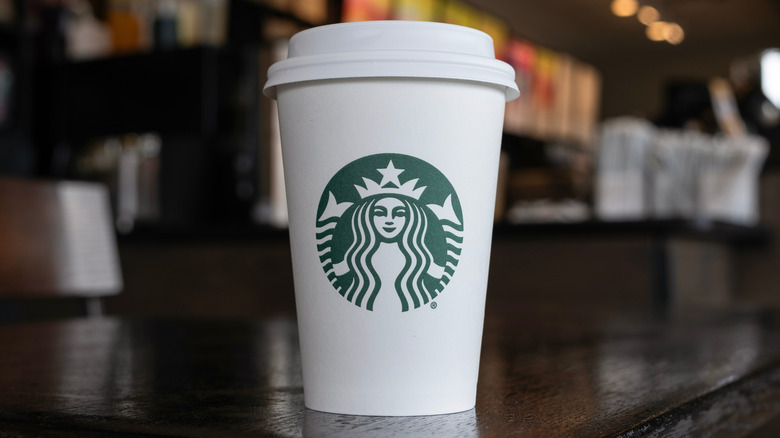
<point x="409" y="49"/>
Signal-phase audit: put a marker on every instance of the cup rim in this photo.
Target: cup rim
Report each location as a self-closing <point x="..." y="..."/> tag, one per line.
<point x="395" y="49"/>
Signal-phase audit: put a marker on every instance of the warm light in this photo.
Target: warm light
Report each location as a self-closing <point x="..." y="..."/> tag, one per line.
<point x="673" y="33"/>
<point x="648" y="15"/>
<point x="624" y="8"/>
<point x="656" y="31"/>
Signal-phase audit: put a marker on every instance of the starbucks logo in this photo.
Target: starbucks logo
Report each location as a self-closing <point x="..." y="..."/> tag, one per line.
<point x="389" y="232"/>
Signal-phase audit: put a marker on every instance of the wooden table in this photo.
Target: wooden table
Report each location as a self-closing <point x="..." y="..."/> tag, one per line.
<point x="545" y="371"/>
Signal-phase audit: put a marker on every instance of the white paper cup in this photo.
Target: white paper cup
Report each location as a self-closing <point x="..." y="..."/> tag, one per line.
<point x="391" y="136"/>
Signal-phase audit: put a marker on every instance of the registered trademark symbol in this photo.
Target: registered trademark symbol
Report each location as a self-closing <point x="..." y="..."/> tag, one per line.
<point x="433" y="305"/>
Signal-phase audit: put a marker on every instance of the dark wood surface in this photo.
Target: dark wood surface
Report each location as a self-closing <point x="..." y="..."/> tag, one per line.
<point x="546" y="370"/>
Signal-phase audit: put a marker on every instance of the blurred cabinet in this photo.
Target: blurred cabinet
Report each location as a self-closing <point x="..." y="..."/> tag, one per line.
<point x="16" y="154"/>
<point x="202" y="102"/>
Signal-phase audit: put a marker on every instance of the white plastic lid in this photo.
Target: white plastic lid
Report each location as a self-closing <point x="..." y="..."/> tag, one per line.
<point x="391" y="49"/>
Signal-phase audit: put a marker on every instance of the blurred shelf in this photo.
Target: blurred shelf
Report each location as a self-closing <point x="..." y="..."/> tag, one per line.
<point x="162" y="91"/>
<point x="9" y="40"/>
<point x="512" y="139"/>
<point x="713" y="231"/>
<point x="249" y="19"/>
<point x="9" y="130"/>
<point x="240" y="232"/>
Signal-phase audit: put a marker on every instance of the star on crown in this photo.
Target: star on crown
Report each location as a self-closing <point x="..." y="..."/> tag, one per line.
<point x="390" y="184"/>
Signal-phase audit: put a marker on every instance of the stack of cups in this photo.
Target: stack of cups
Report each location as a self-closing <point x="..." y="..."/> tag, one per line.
<point x="391" y="136"/>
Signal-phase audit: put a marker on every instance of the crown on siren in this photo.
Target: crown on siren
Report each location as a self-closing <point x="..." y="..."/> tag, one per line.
<point x="390" y="185"/>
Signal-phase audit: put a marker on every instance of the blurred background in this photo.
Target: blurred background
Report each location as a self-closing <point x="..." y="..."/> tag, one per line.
<point x="640" y="166"/>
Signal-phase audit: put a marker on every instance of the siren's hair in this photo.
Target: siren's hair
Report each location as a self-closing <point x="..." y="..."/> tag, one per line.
<point x="409" y="285"/>
<point x="358" y="258"/>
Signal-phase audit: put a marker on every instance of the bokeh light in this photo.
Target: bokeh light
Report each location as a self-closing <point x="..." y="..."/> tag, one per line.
<point x="673" y="33"/>
<point x="656" y="31"/>
<point x="624" y="8"/>
<point x="647" y="15"/>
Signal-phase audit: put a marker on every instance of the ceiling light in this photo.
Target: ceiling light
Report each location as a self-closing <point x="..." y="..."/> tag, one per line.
<point x="673" y="33"/>
<point x="655" y="31"/>
<point x="647" y="15"/>
<point x="624" y="8"/>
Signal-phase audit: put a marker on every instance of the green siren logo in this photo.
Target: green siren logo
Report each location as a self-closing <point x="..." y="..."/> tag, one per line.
<point x="389" y="232"/>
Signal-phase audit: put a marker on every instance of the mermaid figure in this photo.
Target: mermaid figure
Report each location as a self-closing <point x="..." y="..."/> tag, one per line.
<point x="389" y="245"/>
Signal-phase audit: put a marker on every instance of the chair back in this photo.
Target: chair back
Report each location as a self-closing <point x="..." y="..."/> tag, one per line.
<point x="56" y="240"/>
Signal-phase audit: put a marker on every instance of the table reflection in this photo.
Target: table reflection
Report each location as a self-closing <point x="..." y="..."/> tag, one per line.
<point x="324" y="425"/>
<point x="664" y="358"/>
